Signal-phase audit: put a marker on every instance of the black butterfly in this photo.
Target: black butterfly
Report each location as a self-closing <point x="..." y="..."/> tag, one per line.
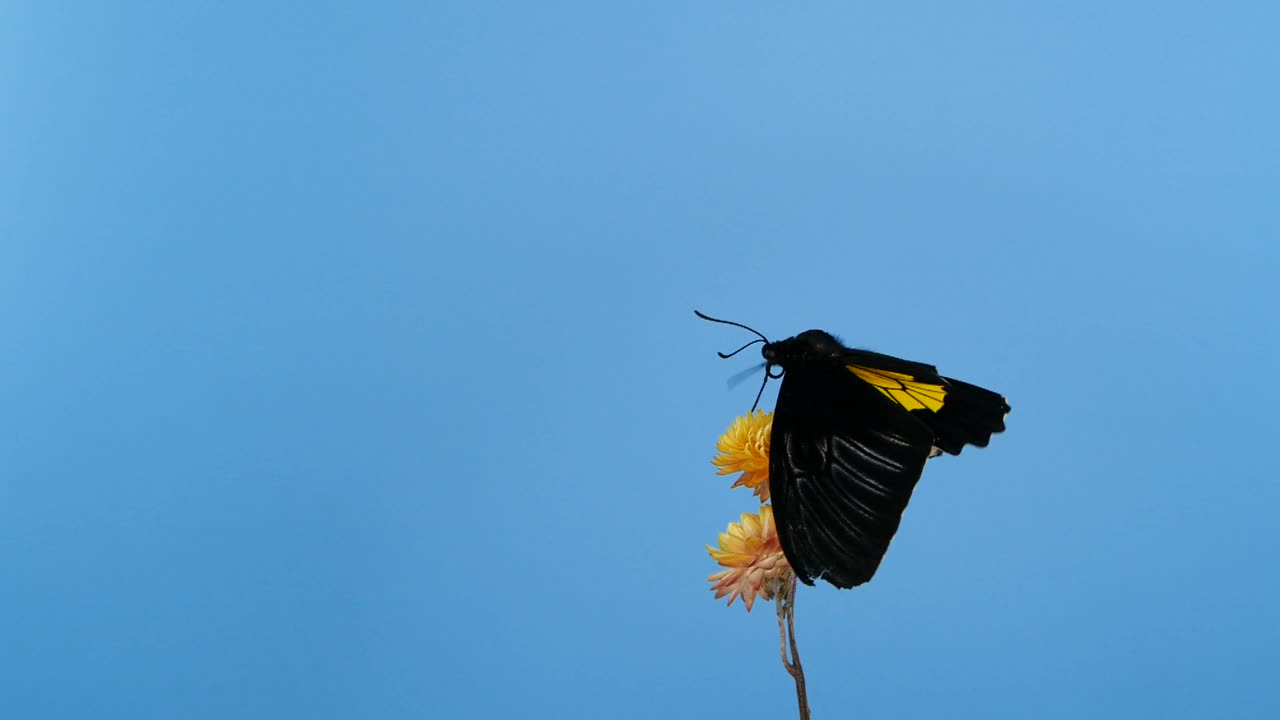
<point x="852" y="430"/>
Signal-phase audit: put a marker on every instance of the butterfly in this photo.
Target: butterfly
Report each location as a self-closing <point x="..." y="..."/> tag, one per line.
<point x="852" y="430"/>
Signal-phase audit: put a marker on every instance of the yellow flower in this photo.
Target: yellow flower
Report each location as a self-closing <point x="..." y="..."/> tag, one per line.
<point x="744" y="448"/>
<point x="752" y="553"/>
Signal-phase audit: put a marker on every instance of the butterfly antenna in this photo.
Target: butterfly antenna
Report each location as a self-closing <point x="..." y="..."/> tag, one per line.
<point x="768" y="371"/>
<point x="735" y="352"/>
<point x="730" y="322"/>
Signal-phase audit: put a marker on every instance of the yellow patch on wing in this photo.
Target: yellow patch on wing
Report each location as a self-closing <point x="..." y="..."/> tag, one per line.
<point x="903" y="389"/>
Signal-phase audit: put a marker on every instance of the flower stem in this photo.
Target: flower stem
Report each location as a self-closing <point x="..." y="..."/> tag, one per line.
<point x="786" y="600"/>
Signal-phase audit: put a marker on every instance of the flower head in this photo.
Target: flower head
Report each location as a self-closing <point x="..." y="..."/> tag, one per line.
<point x="744" y="448"/>
<point x="753" y="554"/>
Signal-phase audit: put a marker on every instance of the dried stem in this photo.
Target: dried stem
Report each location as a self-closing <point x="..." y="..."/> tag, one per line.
<point x="786" y="601"/>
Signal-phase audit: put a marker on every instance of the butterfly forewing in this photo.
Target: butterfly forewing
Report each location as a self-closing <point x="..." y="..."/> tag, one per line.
<point x="844" y="462"/>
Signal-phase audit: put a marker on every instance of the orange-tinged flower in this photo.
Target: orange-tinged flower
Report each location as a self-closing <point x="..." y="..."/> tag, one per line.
<point x="752" y="553"/>
<point x="744" y="448"/>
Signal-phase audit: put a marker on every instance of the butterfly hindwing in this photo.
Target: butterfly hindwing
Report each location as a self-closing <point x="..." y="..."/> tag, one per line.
<point x="970" y="416"/>
<point x="958" y="413"/>
<point x="844" y="462"/>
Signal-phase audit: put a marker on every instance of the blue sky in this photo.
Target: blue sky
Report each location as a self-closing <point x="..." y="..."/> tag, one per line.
<point x="350" y="366"/>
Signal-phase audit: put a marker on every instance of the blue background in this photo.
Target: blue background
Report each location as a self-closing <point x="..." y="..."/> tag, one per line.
<point x="349" y="365"/>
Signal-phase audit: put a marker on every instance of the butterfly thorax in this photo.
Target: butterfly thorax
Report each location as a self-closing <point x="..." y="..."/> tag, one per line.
<point x="808" y="346"/>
